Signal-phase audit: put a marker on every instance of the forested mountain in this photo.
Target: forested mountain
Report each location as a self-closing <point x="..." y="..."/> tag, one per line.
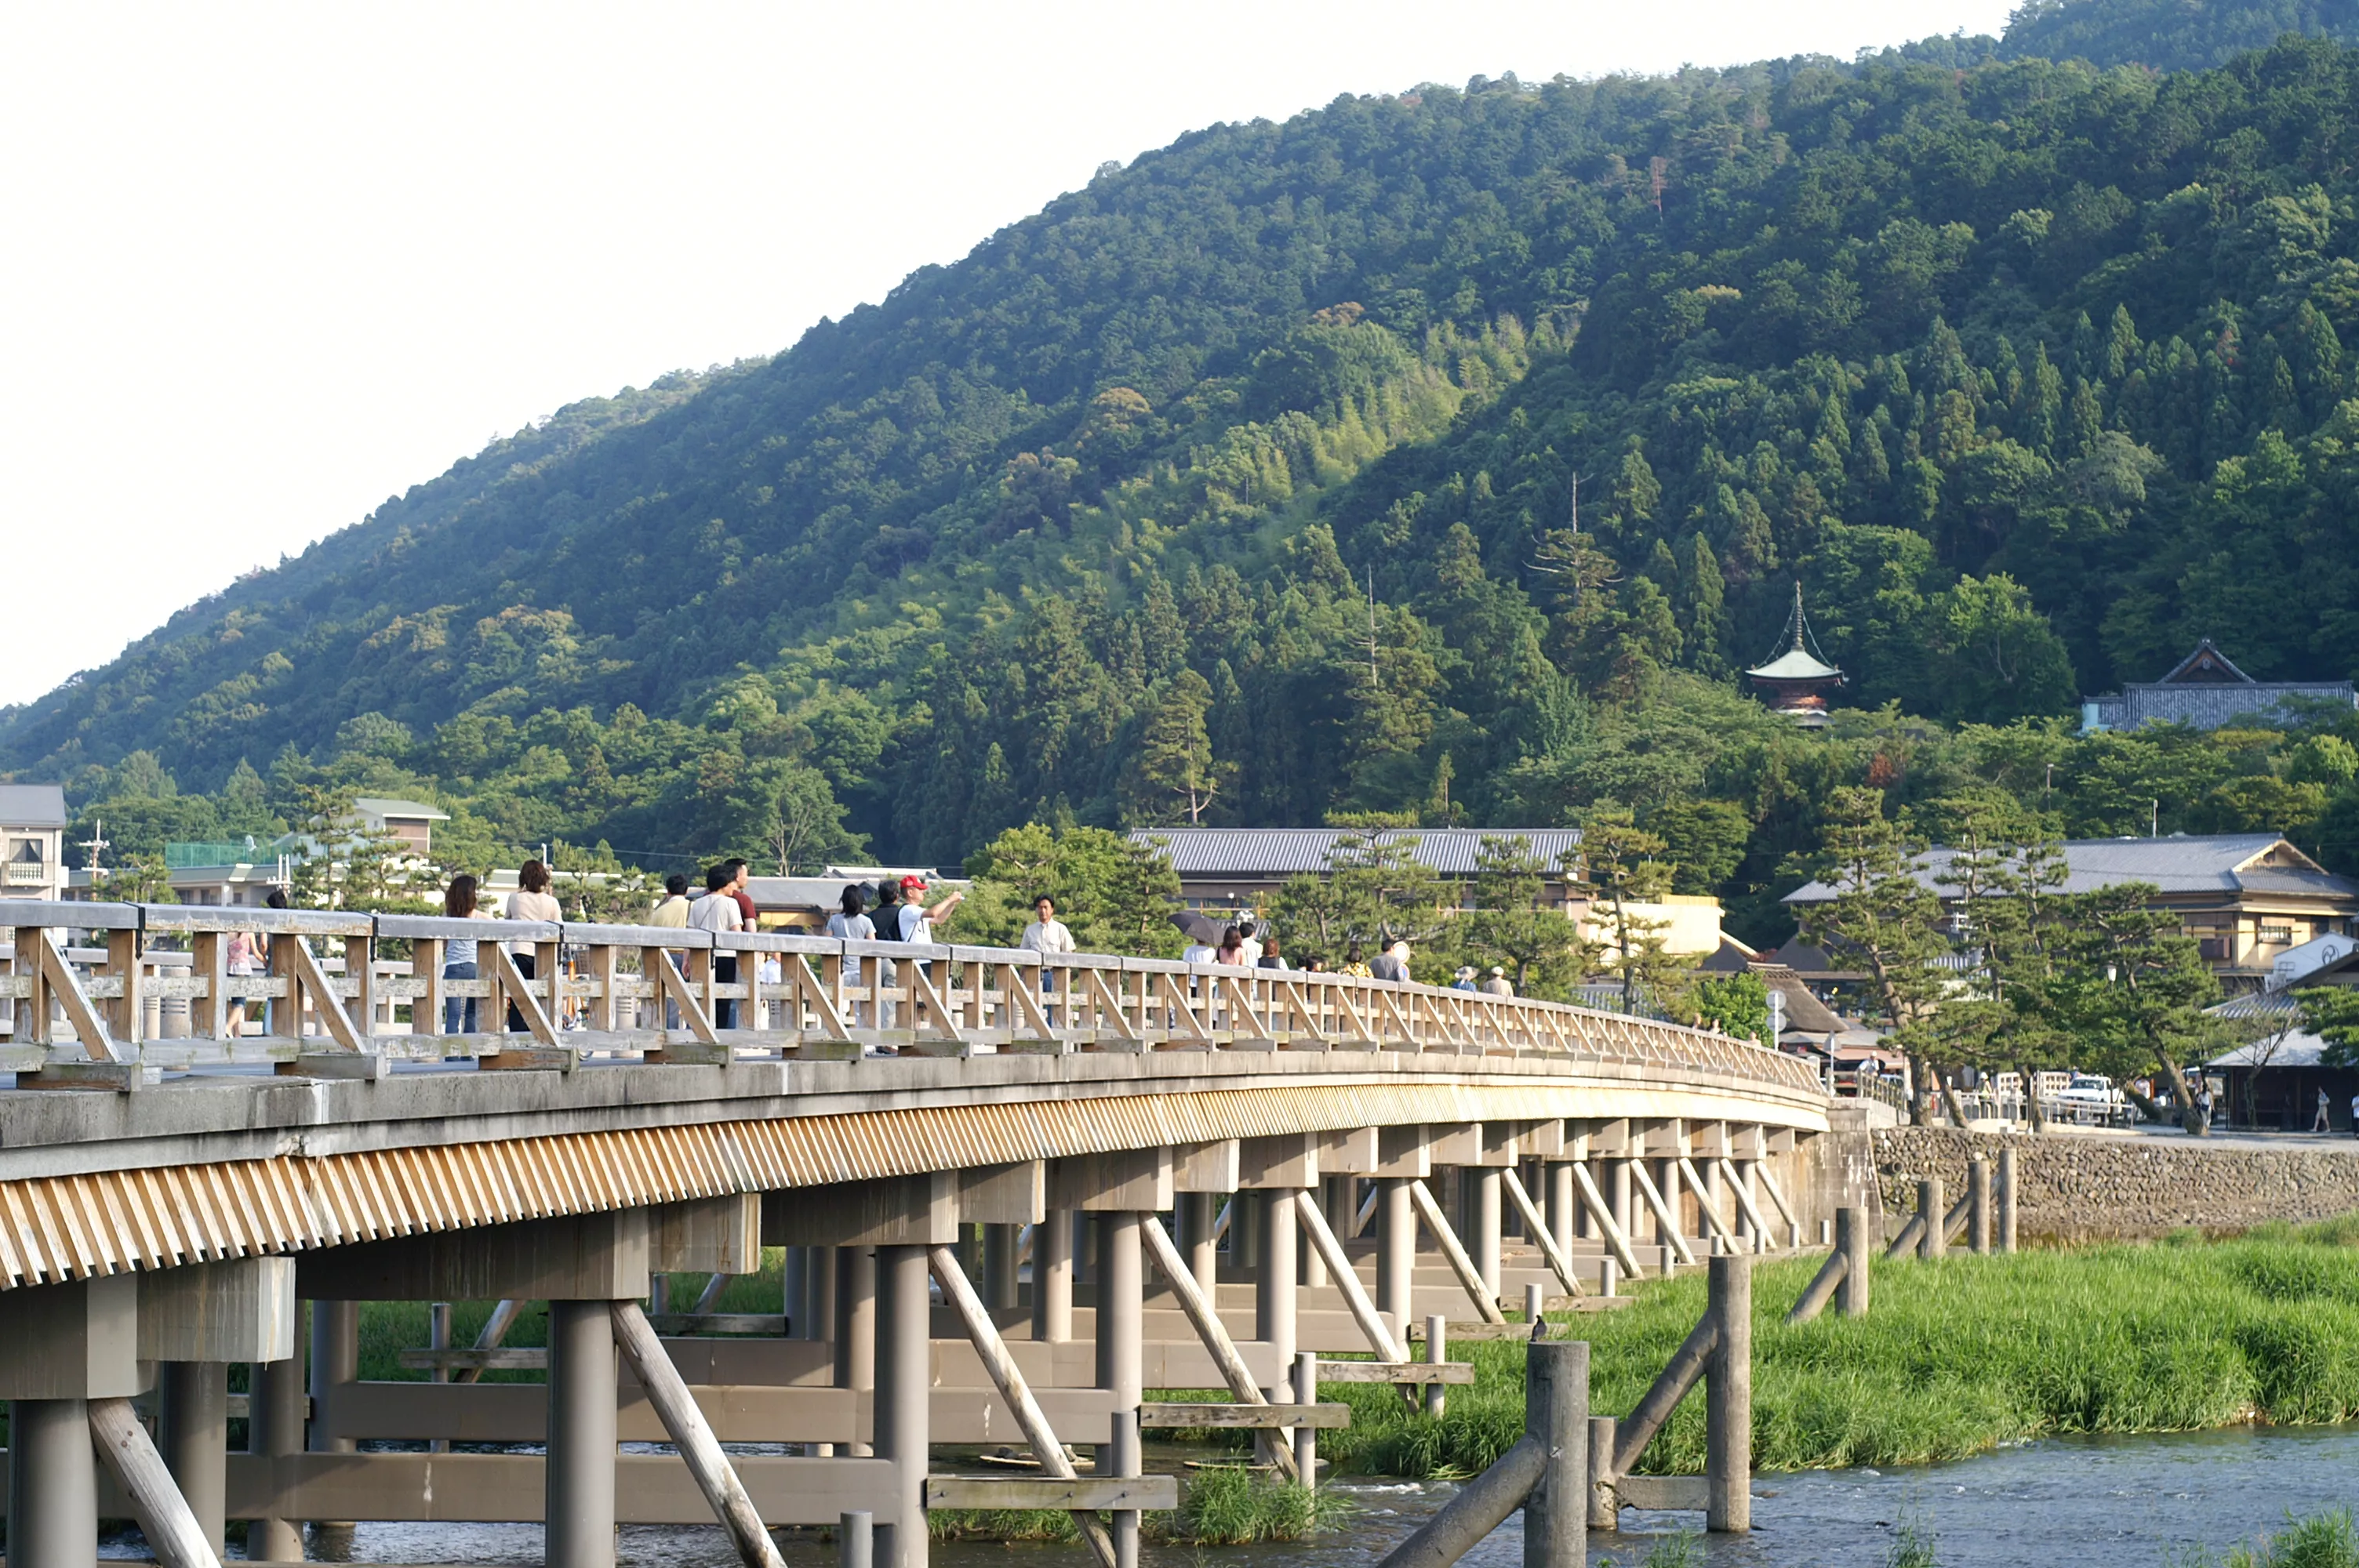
<point x="1438" y="455"/>
<point x="2169" y="35"/>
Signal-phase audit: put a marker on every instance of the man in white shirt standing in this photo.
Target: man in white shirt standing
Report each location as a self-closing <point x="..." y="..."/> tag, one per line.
<point x="717" y="912"/>
<point x="917" y="920"/>
<point x="1046" y="934"/>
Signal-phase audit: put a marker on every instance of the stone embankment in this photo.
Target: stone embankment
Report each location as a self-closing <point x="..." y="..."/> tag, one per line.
<point x="2078" y="1186"/>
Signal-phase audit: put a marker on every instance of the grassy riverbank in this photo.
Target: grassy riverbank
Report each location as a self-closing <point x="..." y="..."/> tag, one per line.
<point x="1956" y="1357"/>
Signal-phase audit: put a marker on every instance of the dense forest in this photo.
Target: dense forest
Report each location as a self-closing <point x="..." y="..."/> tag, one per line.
<point x="1430" y="457"/>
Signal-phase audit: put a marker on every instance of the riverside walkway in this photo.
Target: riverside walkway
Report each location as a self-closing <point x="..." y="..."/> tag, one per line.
<point x="1042" y="1188"/>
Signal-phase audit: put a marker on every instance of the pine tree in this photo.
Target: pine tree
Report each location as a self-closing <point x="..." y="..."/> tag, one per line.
<point x="1174" y="776"/>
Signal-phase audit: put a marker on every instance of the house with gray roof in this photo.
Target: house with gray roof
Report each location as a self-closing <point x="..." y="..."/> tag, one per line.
<point x="1231" y="867"/>
<point x="2206" y="690"/>
<point x="33" y="824"/>
<point x="2247" y="898"/>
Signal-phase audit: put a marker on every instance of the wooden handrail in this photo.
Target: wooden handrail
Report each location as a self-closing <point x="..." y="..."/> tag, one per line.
<point x="600" y="990"/>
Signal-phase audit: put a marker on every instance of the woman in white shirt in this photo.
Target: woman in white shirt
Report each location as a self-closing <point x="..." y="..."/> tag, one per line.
<point x="529" y="901"/>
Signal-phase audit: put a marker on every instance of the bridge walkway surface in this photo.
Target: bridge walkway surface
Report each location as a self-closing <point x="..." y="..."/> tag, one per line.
<point x="1014" y="1194"/>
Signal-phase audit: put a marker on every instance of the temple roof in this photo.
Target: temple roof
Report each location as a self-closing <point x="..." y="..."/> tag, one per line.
<point x="1794" y="664"/>
<point x="2207" y="666"/>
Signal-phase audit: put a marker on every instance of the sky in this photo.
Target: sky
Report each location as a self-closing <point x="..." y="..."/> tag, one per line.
<point x="265" y="265"/>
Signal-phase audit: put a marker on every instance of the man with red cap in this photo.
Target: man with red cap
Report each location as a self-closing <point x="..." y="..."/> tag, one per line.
<point x="916" y="920"/>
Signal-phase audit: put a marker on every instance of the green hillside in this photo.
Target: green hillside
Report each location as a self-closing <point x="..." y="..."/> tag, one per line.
<point x="2031" y="373"/>
<point x="2169" y="35"/>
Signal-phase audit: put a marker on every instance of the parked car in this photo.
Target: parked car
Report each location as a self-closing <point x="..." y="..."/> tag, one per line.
<point x="2087" y="1089"/>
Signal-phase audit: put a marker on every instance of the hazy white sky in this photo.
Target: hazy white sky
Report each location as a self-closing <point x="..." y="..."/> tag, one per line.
<point x="264" y="265"/>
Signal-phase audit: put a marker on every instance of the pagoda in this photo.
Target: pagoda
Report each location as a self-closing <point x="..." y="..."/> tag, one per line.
<point x="1796" y="683"/>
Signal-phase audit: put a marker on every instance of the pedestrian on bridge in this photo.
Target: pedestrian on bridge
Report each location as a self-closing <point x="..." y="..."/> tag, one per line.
<point x="1045" y="935"/>
<point x="1392" y="964"/>
<point x="459" y="962"/>
<point x="670" y="914"/>
<point x="1499" y="984"/>
<point x="1271" y="958"/>
<point x="718" y="911"/>
<point x="531" y="900"/>
<point x="671" y="910"/>
<point x="848" y="923"/>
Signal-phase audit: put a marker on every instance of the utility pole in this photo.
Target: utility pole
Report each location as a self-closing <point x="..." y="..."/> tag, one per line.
<point x="96" y="843"/>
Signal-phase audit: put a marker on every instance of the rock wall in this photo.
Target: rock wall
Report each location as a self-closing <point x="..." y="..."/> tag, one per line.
<point x="2080" y="1187"/>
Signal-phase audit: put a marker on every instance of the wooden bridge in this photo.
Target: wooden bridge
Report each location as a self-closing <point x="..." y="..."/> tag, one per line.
<point x="1016" y="1194"/>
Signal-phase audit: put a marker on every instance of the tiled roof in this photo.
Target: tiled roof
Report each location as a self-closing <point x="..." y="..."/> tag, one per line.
<point x="33" y="806"/>
<point x="1285" y="851"/>
<point x="2180" y="863"/>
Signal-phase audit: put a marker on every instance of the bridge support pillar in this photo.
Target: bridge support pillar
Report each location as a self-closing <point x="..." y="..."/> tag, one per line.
<point x="192" y="1431"/>
<point x="1619" y="1192"/>
<point x="581" y="1472"/>
<point x="335" y="1363"/>
<point x="1564" y="1213"/>
<point x="856" y="1325"/>
<point x="1488" y="1191"/>
<point x="274" y="1429"/>
<point x="1052" y="1278"/>
<point x="1274" y="1297"/>
<point x="1395" y="1253"/>
<point x="1121" y="1358"/>
<point x="1751" y="1240"/>
<point x="1198" y="1212"/>
<point x="999" y="1243"/>
<point x="903" y="1314"/>
<point x="52" y="1485"/>
<point x="902" y="1398"/>
<point x="61" y="1346"/>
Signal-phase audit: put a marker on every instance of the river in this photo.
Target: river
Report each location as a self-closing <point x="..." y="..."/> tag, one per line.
<point x="2123" y="1502"/>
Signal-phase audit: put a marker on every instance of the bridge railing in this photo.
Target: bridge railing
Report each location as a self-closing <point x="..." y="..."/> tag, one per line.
<point x="380" y="988"/>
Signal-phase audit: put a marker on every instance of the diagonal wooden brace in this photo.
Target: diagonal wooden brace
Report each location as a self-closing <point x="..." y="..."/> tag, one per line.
<point x="329" y="1006"/>
<point x="681" y="995"/>
<point x="1455" y="1251"/>
<point x="1538" y="1226"/>
<point x="520" y="996"/>
<point x="60" y="981"/>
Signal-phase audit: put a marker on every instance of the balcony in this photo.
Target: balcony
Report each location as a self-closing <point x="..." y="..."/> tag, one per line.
<point x="24" y="873"/>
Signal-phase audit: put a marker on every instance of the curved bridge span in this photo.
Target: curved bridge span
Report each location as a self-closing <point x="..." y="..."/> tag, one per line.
<point x="1313" y="1163"/>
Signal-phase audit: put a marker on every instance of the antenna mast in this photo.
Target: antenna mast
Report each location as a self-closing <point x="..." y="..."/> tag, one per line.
<point x="96" y="843"/>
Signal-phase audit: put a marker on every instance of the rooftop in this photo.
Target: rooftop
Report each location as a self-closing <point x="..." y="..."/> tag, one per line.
<point x="33" y="806"/>
<point x="1794" y="664"/>
<point x="1249" y="852"/>
<point x="2181" y="863"/>
<point x="409" y="810"/>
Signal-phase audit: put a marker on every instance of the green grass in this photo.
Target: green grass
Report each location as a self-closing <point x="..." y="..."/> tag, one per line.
<point x="1958" y="1356"/>
<point x="1219" y="1506"/>
<point x="2322" y="1540"/>
<point x="1234" y="1507"/>
<point x="1684" y="1549"/>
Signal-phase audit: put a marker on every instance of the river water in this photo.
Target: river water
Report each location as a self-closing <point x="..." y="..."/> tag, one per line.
<point x="2132" y="1502"/>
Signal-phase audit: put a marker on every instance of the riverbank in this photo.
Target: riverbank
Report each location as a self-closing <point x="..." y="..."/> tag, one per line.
<point x="1956" y="1357"/>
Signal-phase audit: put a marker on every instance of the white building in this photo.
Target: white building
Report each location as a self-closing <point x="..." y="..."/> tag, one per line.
<point x="32" y="841"/>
